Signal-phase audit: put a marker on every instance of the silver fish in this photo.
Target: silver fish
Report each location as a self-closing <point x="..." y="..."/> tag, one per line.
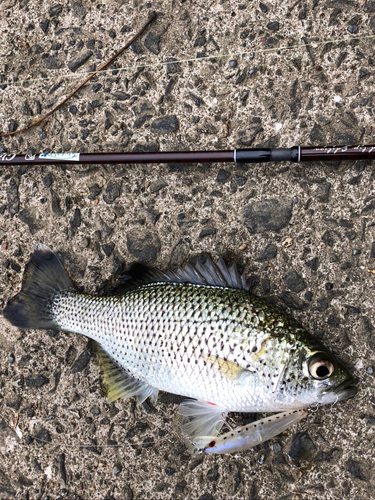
<point x="197" y="333"/>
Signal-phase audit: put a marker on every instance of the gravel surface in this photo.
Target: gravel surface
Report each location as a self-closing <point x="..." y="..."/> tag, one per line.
<point x="277" y="73"/>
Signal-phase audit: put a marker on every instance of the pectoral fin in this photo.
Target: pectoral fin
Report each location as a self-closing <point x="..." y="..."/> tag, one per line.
<point x="119" y="384"/>
<point x="228" y="369"/>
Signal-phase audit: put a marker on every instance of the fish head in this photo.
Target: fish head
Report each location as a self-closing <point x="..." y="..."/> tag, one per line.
<point x="314" y="375"/>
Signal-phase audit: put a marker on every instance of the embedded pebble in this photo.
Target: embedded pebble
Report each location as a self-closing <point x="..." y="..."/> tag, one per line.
<point x="165" y="124"/>
<point x="267" y="215"/>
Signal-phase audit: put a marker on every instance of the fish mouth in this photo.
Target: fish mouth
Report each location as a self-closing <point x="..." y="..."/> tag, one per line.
<point x="341" y="392"/>
<point x="346" y="389"/>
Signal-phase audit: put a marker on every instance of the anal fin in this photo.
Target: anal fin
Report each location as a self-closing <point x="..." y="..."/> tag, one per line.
<point x="202" y="418"/>
<point x="119" y="384"/>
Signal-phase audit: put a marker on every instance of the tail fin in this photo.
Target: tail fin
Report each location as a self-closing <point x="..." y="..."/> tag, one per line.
<point x="44" y="278"/>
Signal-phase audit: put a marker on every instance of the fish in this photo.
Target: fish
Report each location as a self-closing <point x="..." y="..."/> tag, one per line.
<point x="197" y="332"/>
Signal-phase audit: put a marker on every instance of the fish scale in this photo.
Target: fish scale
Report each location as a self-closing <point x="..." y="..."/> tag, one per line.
<point x="181" y="323"/>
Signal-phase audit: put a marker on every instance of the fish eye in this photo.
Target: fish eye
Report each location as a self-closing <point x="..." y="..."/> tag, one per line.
<point x="321" y="369"/>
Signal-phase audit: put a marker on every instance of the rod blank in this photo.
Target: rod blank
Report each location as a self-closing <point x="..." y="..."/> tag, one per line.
<point x="295" y="154"/>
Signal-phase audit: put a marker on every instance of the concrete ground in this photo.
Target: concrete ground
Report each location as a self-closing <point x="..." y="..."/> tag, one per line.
<point x="250" y="73"/>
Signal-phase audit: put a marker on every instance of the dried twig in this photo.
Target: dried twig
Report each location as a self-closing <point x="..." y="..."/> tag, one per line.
<point x="39" y="120"/>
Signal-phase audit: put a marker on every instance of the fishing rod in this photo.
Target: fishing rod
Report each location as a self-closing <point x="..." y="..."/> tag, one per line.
<point x="296" y="154"/>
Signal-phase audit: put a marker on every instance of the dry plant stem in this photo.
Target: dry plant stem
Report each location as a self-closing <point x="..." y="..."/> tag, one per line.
<point x="39" y="120"/>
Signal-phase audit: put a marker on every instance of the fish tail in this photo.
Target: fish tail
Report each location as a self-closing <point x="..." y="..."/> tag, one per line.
<point x="44" y="279"/>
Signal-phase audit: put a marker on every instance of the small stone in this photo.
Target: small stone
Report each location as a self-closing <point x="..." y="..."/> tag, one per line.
<point x="328" y="456"/>
<point x="157" y="186"/>
<point x="241" y="77"/>
<point x="268" y="253"/>
<point x="232" y="63"/>
<point x="36" y="382"/>
<point x="200" y="41"/>
<point x="263" y="7"/>
<point x="13" y="198"/>
<point x="14" y="403"/>
<point x="152" y="43"/>
<point x="15" y="267"/>
<point x="95" y="410"/>
<point x="267" y="215"/>
<point x="302" y="447"/>
<point x="370" y="370"/>
<point x="353" y="29"/>
<point x="75" y="221"/>
<point x="266" y="285"/>
<point x="333" y="321"/>
<point x="68" y="203"/>
<point x="116" y="469"/>
<point x="136" y="47"/>
<point x="143" y="245"/>
<point x="44" y="25"/>
<point x="261" y="459"/>
<point x="179" y="254"/>
<point x="274" y="26"/>
<point x="25" y="110"/>
<point x="222" y="176"/>
<point x="350" y="310"/>
<point x="170" y="471"/>
<point x="294" y="282"/>
<point x="165" y="124"/>
<point x="55" y="10"/>
<point x="43" y="437"/>
<point x="82" y="361"/>
<point x="239" y="179"/>
<point x="29" y="217"/>
<point x="322" y="304"/>
<point x="197" y="100"/>
<point x="48" y="180"/>
<point x="276" y="447"/>
<point x="172" y="66"/>
<point x="76" y="63"/>
<point x="55" y="201"/>
<point x="213" y="474"/>
<point x="354" y="469"/>
<point x="327" y="238"/>
<point x="108" y="248"/>
<point x="313" y="264"/>
<point x="346" y="265"/>
<point x="53" y="62"/>
<point x="293" y="301"/>
<point x="112" y="191"/>
<point x="121" y="96"/>
<point x="207" y="232"/>
<point x="356" y="252"/>
<point x="329" y="286"/>
<point x="70" y="355"/>
<point x="11" y="358"/>
<point x="138" y="429"/>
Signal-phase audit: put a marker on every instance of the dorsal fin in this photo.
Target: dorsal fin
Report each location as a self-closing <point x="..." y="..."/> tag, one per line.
<point x="204" y="272"/>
